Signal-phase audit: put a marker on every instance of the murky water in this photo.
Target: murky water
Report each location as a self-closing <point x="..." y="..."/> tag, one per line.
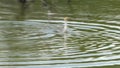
<point x="92" y="38"/>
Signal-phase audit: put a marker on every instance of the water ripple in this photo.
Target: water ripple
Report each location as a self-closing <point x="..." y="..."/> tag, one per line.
<point x="42" y="43"/>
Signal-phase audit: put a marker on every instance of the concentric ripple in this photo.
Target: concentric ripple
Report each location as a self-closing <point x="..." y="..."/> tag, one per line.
<point x="43" y="44"/>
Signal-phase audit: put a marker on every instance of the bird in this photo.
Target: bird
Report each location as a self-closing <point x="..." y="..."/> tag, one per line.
<point x="66" y="19"/>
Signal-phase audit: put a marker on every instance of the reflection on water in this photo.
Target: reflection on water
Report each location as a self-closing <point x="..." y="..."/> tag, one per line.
<point x="22" y="11"/>
<point x="92" y="37"/>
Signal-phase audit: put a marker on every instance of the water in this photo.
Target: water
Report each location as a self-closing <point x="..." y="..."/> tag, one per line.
<point x="37" y="40"/>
